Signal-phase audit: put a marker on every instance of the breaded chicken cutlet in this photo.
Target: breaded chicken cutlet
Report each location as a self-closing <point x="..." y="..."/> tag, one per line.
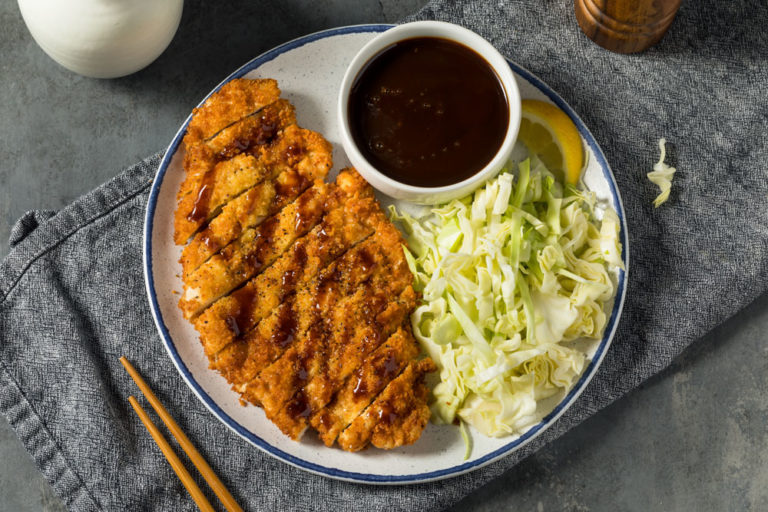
<point x="299" y="289"/>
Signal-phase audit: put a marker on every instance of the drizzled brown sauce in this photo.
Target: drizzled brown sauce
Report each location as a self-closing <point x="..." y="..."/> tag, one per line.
<point x="299" y="406"/>
<point x="364" y="260"/>
<point x="261" y="245"/>
<point x="428" y="112"/>
<point x="384" y="370"/>
<point x="259" y="134"/>
<point x="293" y="153"/>
<point x="287" y="186"/>
<point x="285" y="332"/>
<point x="387" y="414"/>
<point x="391" y="365"/>
<point x="241" y="320"/>
<point x="201" y="206"/>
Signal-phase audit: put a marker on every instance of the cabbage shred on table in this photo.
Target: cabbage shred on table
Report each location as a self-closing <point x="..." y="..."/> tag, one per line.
<point x="661" y="176"/>
<point x="509" y="276"/>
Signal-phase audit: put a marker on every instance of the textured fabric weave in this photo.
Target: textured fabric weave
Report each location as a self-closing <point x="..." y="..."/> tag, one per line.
<point x="72" y="296"/>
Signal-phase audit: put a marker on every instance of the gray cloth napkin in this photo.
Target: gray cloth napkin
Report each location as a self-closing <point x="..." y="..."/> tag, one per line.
<point x="73" y="296"/>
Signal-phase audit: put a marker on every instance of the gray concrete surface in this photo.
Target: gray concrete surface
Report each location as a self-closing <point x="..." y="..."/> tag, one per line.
<point x="692" y="438"/>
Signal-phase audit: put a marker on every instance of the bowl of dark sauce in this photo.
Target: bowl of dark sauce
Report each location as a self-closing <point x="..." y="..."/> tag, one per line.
<point x="428" y="111"/>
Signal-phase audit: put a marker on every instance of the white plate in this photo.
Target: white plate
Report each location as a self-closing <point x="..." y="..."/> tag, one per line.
<point x="309" y="71"/>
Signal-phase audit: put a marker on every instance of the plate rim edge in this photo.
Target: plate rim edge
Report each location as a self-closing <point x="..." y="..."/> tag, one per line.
<point x="367" y="478"/>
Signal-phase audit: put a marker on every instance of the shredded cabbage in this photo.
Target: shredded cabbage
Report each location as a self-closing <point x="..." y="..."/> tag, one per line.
<point x="662" y="176"/>
<point x="509" y="276"/>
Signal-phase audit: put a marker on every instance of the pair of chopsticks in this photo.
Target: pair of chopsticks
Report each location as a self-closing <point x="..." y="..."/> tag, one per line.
<point x="194" y="490"/>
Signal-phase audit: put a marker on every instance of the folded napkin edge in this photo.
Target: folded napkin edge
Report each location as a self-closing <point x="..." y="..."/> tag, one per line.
<point x="30" y="429"/>
<point x="82" y="212"/>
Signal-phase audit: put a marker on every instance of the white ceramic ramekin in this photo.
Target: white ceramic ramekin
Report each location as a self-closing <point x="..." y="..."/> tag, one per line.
<point x="430" y="195"/>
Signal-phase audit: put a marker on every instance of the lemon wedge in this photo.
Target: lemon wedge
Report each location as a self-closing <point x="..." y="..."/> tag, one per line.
<point x="550" y="134"/>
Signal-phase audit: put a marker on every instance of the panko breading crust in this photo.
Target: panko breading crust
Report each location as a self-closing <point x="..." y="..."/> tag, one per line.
<point x="299" y="289"/>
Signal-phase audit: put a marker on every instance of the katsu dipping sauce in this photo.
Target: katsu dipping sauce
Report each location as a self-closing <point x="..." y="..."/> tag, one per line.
<point x="428" y="112"/>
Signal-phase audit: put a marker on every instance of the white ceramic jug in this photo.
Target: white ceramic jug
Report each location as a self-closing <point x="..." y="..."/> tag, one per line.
<point x="102" y="38"/>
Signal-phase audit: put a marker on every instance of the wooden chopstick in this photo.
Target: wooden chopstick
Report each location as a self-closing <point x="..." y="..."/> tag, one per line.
<point x="173" y="459"/>
<point x="208" y="474"/>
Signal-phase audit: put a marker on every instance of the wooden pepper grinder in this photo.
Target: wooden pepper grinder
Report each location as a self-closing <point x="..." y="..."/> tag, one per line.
<point x="625" y="26"/>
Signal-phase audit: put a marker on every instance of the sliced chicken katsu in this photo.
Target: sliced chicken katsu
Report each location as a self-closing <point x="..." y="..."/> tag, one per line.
<point x="243" y="360"/>
<point x="365" y="383"/>
<point x="210" y="166"/>
<point x="249" y="354"/>
<point x="300" y="290"/>
<point x="254" y="250"/>
<point x="353" y="341"/>
<point x="235" y="100"/>
<point x="397" y="417"/>
<point x="281" y="387"/>
<point x="341" y="229"/>
<point x="257" y="248"/>
<point x="246" y="358"/>
<point x="321" y="384"/>
<point x="364" y="279"/>
<point x="291" y="165"/>
<point x="280" y="381"/>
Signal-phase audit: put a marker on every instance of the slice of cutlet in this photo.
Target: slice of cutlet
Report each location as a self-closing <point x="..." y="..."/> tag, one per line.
<point x="248" y="135"/>
<point x="238" y="312"/>
<point x="200" y="155"/>
<point x="367" y="333"/>
<point x="210" y="181"/>
<point x="254" y="250"/>
<point x="292" y="164"/>
<point x="363" y="315"/>
<point x="281" y="386"/>
<point x="397" y="417"/>
<point x="235" y="100"/>
<point x="244" y="359"/>
<point x="360" y="388"/>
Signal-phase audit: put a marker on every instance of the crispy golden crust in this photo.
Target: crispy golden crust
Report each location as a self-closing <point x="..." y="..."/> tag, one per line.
<point x="254" y="250"/>
<point x="365" y="383"/>
<point x="340" y="230"/>
<point x="367" y="260"/>
<point x="243" y="359"/>
<point x="290" y="166"/>
<point x="235" y="100"/>
<point x="282" y="388"/>
<point x="397" y="417"/>
<point x="223" y="182"/>
<point x="252" y="133"/>
<point x="300" y="290"/>
<point x="292" y="353"/>
<point x="249" y="135"/>
<point x="247" y="210"/>
<point x="211" y="181"/>
<point x="355" y="338"/>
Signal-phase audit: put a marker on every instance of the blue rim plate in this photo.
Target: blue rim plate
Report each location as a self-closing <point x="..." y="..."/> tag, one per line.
<point x="406" y="477"/>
